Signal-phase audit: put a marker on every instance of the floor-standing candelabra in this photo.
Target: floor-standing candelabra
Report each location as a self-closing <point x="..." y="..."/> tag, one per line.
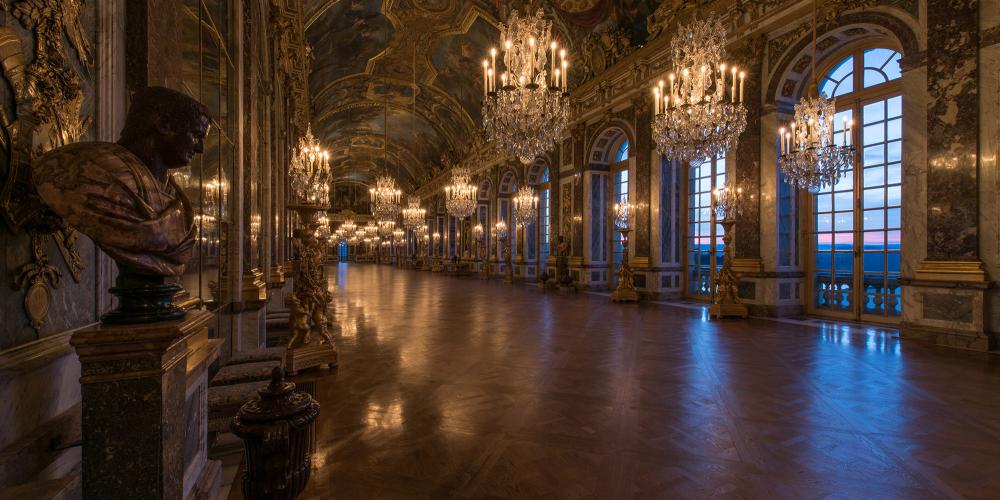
<point x="729" y="205"/>
<point x="503" y="236"/>
<point x="625" y="292"/>
<point x="310" y="343"/>
<point x="436" y="264"/>
<point x="480" y="234"/>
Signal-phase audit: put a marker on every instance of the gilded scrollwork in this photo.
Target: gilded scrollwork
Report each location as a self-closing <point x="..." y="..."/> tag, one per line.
<point x="48" y="99"/>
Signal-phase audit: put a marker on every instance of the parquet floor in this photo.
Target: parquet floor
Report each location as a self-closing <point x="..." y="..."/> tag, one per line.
<point x="459" y="388"/>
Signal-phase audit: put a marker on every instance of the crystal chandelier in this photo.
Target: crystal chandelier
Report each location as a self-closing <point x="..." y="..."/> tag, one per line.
<point x="700" y="114"/>
<point x="809" y="156"/>
<point x="309" y="172"/>
<point x="461" y="195"/>
<point x="622" y="215"/>
<point x="385" y="227"/>
<point x="525" y="206"/>
<point x="385" y="198"/>
<point x="525" y="115"/>
<point x="413" y="215"/>
<point x="385" y="195"/>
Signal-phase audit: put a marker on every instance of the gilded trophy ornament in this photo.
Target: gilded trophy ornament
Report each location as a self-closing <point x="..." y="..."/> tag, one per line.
<point x="45" y="113"/>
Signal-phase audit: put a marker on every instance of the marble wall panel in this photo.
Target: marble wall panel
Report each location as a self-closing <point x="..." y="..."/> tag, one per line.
<point x="952" y="129"/>
<point x="989" y="186"/>
<point x="644" y="154"/>
<point x="748" y="157"/>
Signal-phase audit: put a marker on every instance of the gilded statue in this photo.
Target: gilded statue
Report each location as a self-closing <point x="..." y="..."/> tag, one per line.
<point x="123" y="197"/>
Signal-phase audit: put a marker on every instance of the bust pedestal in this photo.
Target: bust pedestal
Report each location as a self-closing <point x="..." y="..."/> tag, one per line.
<point x="145" y="409"/>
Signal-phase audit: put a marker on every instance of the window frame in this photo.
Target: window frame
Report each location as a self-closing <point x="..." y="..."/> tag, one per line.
<point x="855" y="102"/>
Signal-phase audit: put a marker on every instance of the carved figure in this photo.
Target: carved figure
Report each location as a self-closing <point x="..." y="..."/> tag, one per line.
<point x="298" y="321"/>
<point x="122" y="196"/>
<point x="562" y="261"/>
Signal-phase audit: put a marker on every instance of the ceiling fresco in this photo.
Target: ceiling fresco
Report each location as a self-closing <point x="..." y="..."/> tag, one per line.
<point x="367" y="52"/>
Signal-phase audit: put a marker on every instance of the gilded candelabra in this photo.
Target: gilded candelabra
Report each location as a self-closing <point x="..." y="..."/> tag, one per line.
<point x="480" y="234"/>
<point x="503" y="236"/>
<point x="730" y="202"/>
<point x="310" y="343"/>
<point x="436" y="265"/>
<point x="625" y="292"/>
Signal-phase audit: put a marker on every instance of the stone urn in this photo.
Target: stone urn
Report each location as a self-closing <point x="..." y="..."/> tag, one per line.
<point x="276" y="428"/>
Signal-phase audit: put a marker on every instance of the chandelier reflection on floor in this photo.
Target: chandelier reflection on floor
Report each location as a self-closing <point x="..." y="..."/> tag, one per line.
<point x="309" y="172"/>
<point x="525" y="114"/>
<point x="461" y="195"/>
<point x="809" y="155"/>
<point x="699" y="112"/>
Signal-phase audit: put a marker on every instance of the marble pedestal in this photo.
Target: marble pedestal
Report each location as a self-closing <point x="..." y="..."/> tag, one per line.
<point x="309" y="356"/>
<point x="144" y="410"/>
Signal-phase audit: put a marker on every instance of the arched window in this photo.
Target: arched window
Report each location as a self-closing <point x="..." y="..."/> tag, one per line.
<point x="622" y="153"/>
<point x="856" y="223"/>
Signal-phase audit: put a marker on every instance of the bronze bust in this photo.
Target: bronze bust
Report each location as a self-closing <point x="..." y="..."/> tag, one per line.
<point x="122" y="196"/>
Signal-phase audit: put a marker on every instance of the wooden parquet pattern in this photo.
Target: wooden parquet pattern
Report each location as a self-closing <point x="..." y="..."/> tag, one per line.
<point x="458" y="388"/>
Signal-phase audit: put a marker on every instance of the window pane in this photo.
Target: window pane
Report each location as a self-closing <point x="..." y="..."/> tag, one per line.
<point x="895" y="152"/>
<point x="874" y="219"/>
<point x="874" y="112"/>
<point x="874" y="176"/>
<point x="842" y="70"/>
<point x="874" y="198"/>
<point x="874" y="155"/>
<point x="873" y="78"/>
<point x="895" y="106"/>
<point x="881" y="62"/>
<point x="846" y="87"/>
<point x="874" y="133"/>
<point x="894" y="129"/>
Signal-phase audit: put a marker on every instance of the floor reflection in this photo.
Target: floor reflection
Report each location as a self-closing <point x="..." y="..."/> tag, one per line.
<point x="463" y="388"/>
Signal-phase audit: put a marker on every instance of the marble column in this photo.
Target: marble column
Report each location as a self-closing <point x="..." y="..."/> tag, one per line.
<point x="745" y="160"/>
<point x="576" y="223"/>
<point x="153" y="43"/>
<point x="644" y="153"/>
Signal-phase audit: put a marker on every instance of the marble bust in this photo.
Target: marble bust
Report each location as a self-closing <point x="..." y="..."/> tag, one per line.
<point x="123" y="197"/>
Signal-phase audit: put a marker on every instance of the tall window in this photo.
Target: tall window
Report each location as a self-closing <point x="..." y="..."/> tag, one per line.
<point x="619" y="195"/>
<point x="856" y="223"/>
<point x="704" y="234"/>
<point x="544" y="214"/>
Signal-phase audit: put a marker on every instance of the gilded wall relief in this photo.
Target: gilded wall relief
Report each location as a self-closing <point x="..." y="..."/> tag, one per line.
<point x="45" y="113"/>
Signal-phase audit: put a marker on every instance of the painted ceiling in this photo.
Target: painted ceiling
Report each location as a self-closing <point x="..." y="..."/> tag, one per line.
<point x="367" y="52"/>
